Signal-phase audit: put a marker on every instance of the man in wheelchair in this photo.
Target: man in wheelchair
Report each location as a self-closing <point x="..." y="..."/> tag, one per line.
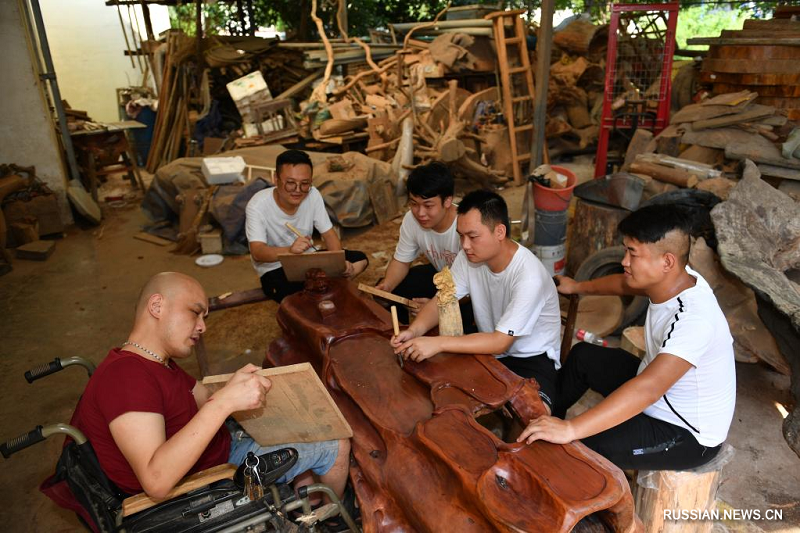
<point x="151" y="424"/>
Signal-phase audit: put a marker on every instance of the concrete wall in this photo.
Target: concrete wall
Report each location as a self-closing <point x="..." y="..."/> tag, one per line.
<point x="27" y="135"/>
<point x="88" y="47"/>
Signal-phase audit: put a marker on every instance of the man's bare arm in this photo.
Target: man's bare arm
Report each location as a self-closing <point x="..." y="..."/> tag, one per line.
<point x="395" y="273"/>
<point x="613" y="284"/>
<point x="331" y="240"/>
<point x="629" y="400"/>
<point x="158" y="463"/>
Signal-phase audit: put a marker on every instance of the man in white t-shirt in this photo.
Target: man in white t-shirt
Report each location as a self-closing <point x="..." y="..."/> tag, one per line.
<point x="671" y="410"/>
<point x="295" y="201"/>
<point x="428" y="228"/>
<point x="513" y="298"/>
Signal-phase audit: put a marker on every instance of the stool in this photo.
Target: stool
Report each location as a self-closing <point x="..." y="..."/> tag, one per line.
<point x="690" y="490"/>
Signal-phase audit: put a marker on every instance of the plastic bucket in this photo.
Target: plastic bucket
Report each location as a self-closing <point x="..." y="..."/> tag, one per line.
<point x="552" y="257"/>
<point x="548" y="199"/>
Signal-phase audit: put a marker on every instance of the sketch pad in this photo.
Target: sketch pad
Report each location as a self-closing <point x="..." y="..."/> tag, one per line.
<point x="295" y="266"/>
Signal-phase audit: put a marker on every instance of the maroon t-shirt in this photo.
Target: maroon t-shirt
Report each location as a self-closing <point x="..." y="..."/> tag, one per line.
<point x="125" y="382"/>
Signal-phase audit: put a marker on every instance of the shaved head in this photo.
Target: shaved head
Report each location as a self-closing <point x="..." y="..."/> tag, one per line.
<point x="167" y="284"/>
<point x="677" y="243"/>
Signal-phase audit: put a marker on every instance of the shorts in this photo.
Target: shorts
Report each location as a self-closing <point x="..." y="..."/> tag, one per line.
<point x="318" y="457"/>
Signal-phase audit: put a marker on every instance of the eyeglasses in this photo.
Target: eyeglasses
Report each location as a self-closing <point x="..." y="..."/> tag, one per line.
<point x="291" y="186"/>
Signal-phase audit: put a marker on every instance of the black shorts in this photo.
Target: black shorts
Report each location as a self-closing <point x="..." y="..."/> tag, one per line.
<point x="539" y="367"/>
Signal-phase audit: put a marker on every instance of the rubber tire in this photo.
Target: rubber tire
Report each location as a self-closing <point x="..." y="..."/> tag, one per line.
<point x="606" y="262"/>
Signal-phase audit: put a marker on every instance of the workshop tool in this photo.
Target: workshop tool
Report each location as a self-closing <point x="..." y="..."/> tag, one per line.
<point x="396" y="326"/>
<point x="297" y="232"/>
<point x="389" y="296"/>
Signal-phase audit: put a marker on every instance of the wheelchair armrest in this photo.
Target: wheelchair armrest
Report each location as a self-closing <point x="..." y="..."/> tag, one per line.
<point x="142" y="501"/>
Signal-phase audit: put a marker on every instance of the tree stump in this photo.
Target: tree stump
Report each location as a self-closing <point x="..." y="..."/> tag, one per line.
<point x="676" y="492"/>
<point x="593" y="228"/>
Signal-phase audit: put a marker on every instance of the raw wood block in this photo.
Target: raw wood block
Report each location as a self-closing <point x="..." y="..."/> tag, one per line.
<point x="633" y="341"/>
<point x="600" y="315"/>
<point x="638" y="145"/>
<point x="668" y="142"/>
<point x="36" y="251"/>
<point x="298" y="408"/>
<point x="25" y="232"/>
<point x="703" y="154"/>
<point x="593" y="228"/>
<point x="676" y="490"/>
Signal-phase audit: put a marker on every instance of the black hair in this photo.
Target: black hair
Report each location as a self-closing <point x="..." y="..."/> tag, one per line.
<point x="292" y="157"/>
<point x="650" y="224"/>
<point x="431" y="180"/>
<point x="492" y="207"/>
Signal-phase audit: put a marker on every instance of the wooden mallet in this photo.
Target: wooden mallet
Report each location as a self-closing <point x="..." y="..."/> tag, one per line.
<point x="396" y="326"/>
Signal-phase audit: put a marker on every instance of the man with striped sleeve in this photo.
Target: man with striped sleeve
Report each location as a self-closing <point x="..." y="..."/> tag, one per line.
<point x="671" y="410"/>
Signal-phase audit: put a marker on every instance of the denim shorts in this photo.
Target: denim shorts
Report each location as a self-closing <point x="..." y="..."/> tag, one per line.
<point x="318" y="457"/>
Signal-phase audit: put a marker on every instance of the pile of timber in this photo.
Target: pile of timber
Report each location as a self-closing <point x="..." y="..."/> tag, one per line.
<point x="706" y="144"/>
<point x="574" y="97"/>
<point x="763" y="57"/>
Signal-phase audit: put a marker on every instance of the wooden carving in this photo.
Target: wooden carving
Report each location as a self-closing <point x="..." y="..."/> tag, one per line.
<point x="450" y="324"/>
<point x="434" y="441"/>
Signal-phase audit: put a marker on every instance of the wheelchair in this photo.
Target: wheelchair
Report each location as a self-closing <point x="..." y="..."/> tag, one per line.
<point x="211" y="501"/>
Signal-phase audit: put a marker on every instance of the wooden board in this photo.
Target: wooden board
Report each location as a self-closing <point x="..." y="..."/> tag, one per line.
<point x="142" y="501"/>
<point x="36" y="251"/>
<point x="298" y="408"/>
<point x="600" y="315"/>
<point x="753" y="112"/>
<point x="296" y="265"/>
<point x="152" y="239"/>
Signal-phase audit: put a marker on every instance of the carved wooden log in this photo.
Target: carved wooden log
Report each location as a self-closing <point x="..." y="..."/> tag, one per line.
<point x="425" y="457"/>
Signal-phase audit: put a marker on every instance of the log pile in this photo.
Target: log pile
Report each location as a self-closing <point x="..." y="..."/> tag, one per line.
<point x="574" y="99"/>
<point x="763" y="57"/>
<point x="707" y="142"/>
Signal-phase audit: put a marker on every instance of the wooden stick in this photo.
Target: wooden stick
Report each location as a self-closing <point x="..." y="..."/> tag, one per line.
<point x="388" y="296"/>
<point x="297" y="232"/>
<point x="396" y="326"/>
<point x="395" y="322"/>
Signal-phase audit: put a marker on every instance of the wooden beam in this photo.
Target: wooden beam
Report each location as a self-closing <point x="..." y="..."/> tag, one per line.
<point x="544" y="45"/>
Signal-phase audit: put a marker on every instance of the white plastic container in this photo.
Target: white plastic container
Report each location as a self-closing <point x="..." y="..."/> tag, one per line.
<point x="223" y="170"/>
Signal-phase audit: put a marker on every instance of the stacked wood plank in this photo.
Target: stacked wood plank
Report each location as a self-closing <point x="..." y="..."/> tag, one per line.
<point x="763" y="57"/>
<point x="707" y="142"/>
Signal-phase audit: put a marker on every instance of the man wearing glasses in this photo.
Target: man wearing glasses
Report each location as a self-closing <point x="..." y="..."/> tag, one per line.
<point x="296" y="201"/>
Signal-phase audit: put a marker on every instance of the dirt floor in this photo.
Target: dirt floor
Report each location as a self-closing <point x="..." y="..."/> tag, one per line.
<point x="80" y="302"/>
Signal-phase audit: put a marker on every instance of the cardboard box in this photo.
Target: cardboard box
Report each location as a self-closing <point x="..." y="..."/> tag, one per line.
<point x="211" y="242"/>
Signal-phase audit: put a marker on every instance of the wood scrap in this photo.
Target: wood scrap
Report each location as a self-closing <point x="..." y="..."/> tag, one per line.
<point x="674" y="176"/>
<point x="753" y="112"/>
<point x="638" y="145"/>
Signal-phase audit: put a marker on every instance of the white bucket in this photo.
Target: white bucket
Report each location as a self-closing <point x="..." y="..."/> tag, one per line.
<point x="552" y="257"/>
